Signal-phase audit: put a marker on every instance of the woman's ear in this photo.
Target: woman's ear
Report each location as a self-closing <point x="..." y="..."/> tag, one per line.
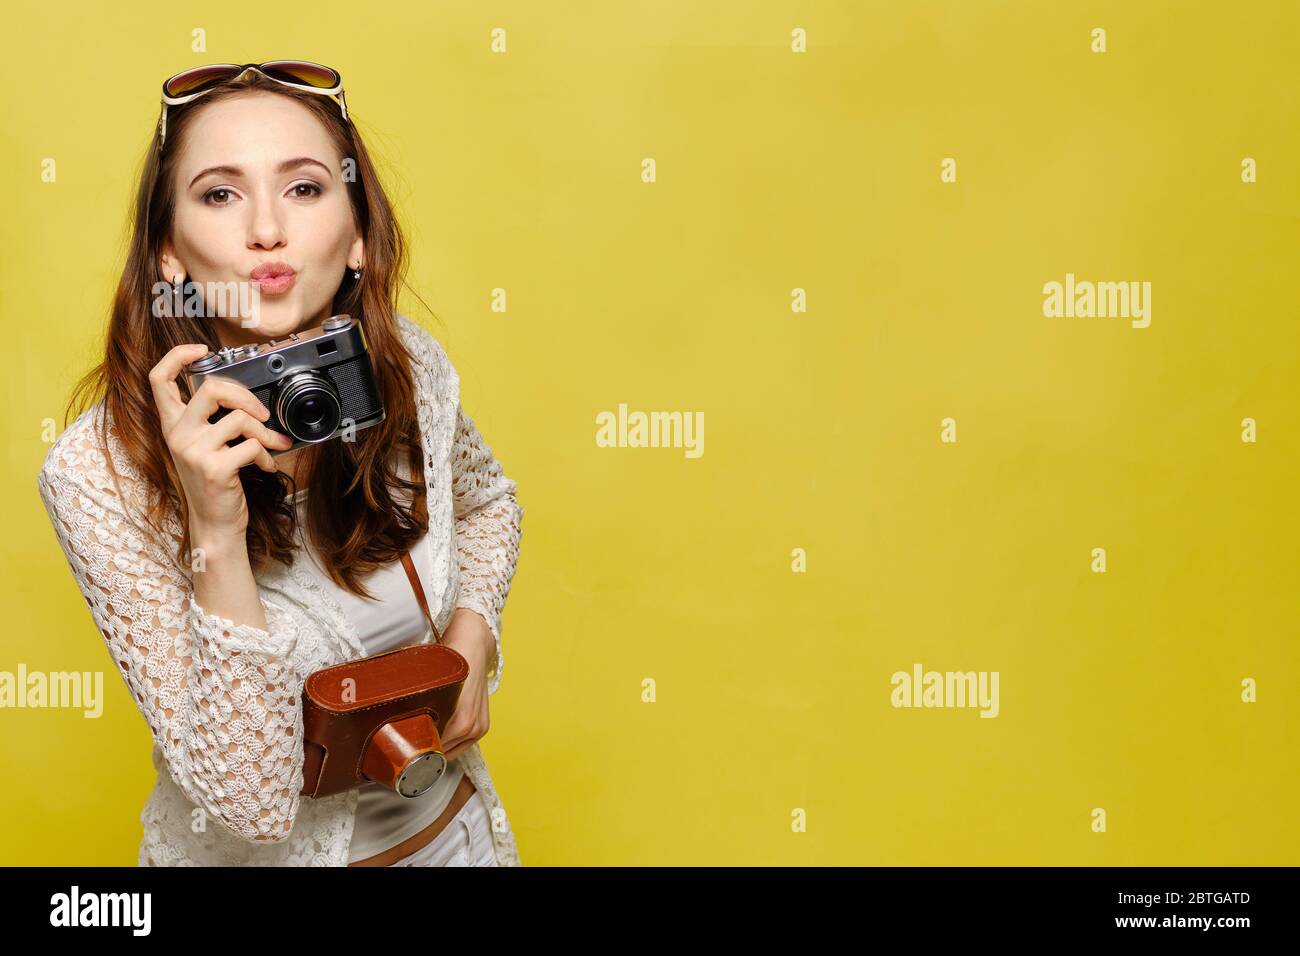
<point x="357" y="254"/>
<point x="170" y="264"/>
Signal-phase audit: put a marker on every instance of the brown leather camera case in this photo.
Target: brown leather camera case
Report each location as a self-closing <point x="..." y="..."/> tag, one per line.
<point x="381" y="718"/>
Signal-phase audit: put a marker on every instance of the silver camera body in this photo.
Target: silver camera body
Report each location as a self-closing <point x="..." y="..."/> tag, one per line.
<point x="317" y="383"/>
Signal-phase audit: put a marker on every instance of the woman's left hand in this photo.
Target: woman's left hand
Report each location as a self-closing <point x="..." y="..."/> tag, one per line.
<point x="469" y="635"/>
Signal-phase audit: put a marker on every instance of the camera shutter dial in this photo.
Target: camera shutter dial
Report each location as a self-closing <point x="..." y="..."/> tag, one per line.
<point x="208" y="362"/>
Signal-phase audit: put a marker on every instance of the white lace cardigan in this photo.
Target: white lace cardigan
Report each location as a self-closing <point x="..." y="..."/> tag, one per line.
<point x="222" y="700"/>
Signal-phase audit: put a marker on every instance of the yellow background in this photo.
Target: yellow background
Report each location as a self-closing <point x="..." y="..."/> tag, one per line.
<point x="775" y="170"/>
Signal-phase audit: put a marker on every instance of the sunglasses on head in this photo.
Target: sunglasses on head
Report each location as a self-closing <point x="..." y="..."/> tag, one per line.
<point x="304" y="75"/>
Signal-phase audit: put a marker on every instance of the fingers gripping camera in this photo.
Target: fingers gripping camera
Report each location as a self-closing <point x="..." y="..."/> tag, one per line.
<point x="317" y="384"/>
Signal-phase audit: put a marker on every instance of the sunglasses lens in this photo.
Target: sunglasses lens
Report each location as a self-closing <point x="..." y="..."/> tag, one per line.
<point x="191" y="81"/>
<point x="303" y="73"/>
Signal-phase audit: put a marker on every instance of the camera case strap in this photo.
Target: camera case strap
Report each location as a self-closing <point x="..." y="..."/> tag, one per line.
<point x="380" y="719"/>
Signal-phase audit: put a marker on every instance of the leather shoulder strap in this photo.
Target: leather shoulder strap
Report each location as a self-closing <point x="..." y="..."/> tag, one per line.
<point x="419" y="593"/>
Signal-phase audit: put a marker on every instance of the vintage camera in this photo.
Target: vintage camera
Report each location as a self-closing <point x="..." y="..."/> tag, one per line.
<point x="316" y="383"/>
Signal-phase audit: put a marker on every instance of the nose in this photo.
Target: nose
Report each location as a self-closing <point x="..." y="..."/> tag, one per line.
<point x="265" y="227"/>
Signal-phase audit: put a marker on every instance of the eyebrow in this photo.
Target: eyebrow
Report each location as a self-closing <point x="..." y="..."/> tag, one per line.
<point x="284" y="167"/>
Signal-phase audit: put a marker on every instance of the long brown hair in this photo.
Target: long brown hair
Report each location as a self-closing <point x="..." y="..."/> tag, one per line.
<point x="352" y="516"/>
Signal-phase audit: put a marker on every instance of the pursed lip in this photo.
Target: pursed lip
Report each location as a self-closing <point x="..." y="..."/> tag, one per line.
<point x="268" y="269"/>
<point x="273" y="278"/>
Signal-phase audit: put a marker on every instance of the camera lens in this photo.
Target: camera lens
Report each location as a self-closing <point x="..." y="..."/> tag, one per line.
<point x="308" y="407"/>
<point x="310" y="411"/>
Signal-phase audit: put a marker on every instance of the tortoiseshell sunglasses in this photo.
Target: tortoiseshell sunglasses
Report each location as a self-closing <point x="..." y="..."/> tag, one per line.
<point x="191" y="84"/>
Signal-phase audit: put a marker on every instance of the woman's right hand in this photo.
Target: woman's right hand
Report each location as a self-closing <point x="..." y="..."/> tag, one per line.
<point x="208" y="468"/>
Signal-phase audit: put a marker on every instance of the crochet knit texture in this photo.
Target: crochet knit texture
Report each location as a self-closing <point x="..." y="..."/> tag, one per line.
<point x="222" y="700"/>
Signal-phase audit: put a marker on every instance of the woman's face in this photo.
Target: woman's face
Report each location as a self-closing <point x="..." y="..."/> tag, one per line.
<point x="258" y="181"/>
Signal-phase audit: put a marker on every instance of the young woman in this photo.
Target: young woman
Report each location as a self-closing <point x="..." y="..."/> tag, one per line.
<point x="223" y="569"/>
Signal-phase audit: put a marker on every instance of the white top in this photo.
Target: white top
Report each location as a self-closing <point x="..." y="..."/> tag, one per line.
<point x="222" y="700"/>
<point x="394" y="619"/>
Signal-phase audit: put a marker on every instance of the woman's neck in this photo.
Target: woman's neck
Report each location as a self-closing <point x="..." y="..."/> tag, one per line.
<point x="289" y="463"/>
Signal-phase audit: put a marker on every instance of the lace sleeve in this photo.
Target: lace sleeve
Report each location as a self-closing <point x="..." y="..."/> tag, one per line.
<point x="220" y="699"/>
<point x="488" y="530"/>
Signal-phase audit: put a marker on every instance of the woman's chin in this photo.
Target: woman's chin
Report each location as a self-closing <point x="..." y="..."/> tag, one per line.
<point x="273" y="322"/>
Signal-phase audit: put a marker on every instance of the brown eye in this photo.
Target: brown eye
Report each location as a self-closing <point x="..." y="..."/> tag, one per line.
<point x="313" y="190"/>
<point x="208" y="196"/>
